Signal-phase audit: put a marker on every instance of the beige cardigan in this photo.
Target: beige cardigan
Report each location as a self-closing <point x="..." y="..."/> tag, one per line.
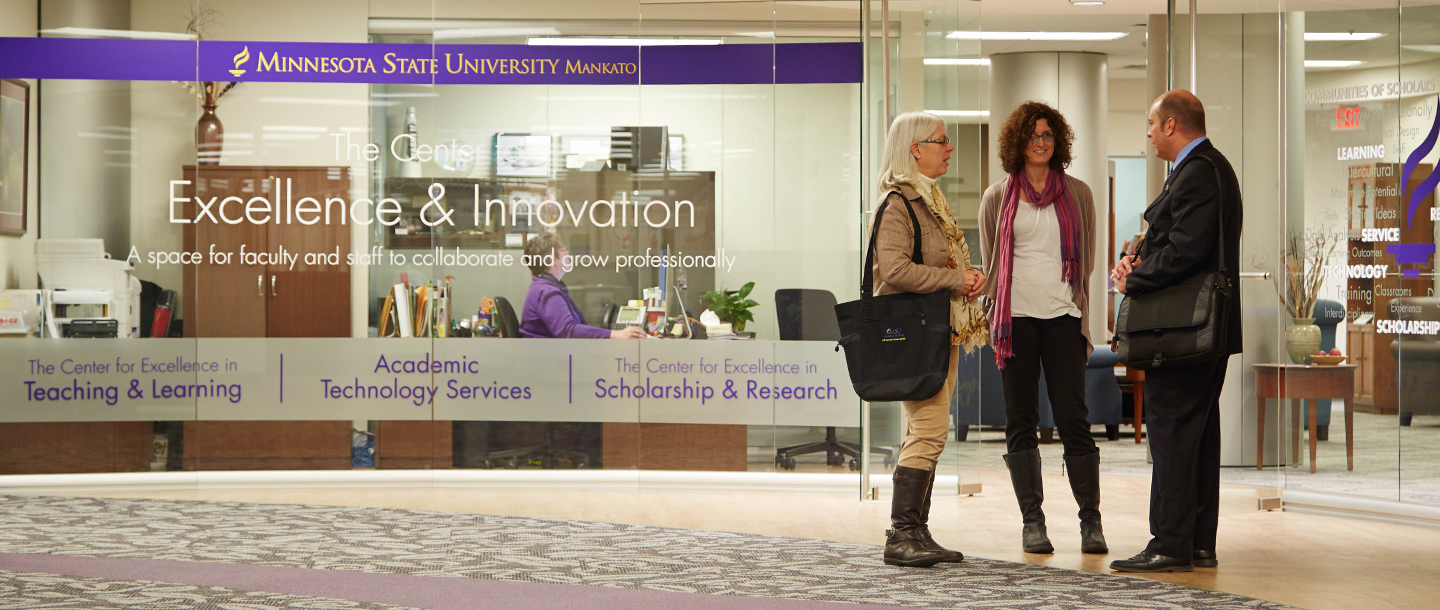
<point x="894" y="271"/>
<point x="990" y="204"/>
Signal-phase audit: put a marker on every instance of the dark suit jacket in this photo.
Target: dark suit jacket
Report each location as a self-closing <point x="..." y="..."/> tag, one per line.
<point x="1185" y="230"/>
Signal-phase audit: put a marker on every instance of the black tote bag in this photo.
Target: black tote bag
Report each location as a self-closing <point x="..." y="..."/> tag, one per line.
<point x="897" y="347"/>
<point x="1177" y="325"/>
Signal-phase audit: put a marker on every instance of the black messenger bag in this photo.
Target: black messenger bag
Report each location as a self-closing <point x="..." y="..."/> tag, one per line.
<point x="897" y="346"/>
<point x="1178" y="325"/>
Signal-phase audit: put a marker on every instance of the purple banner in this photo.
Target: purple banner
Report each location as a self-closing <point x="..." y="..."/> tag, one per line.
<point x="419" y="64"/>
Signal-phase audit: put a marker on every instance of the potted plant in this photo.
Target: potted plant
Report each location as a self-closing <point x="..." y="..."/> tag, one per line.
<point x="1306" y="257"/>
<point x="732" y="308"/>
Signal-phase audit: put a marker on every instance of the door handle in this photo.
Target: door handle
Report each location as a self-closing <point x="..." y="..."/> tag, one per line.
<point x="1254" y="275"/>
<point x="272" y="286"/>
<point x="260" y="285"/>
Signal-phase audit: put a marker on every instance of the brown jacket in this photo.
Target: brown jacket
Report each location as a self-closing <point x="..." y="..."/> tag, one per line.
<point x="990" y="204"/>
<point x="894" y="271"/>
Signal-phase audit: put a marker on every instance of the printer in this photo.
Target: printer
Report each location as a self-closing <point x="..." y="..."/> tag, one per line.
<point x="86" y="293"/>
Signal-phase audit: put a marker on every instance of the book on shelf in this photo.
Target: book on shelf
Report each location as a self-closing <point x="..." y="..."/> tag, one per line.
<point x="401" y="295"/>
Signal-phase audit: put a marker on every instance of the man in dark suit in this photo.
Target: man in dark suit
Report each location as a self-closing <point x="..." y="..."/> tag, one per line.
<point x="1182" y="403"/>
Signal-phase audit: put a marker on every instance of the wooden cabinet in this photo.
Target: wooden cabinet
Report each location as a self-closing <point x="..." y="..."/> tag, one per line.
<point x="1374" y="369"/>
<point x="267" y="295"/>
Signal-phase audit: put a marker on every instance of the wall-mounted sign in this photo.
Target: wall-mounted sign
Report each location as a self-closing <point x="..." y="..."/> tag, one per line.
<point x="1347" y="118"/>
<point x="422" y="64"/>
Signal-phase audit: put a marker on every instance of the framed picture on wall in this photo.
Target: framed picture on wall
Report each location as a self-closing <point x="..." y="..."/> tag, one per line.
<point x="14" y="144"/>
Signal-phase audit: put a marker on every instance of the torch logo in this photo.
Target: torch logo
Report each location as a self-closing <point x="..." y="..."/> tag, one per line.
<point x="240" y="59"/>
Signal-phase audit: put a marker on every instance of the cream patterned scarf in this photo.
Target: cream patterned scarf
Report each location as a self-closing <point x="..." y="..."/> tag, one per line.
<point x="966" y="316"/>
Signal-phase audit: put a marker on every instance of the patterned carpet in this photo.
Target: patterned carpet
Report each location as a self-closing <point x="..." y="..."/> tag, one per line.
<point x="455" y="548"/>
<point x="31" y="591"/>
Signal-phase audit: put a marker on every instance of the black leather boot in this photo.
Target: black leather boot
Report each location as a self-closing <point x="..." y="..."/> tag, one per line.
<point x="1029" y="491"/>
<point x="1085" y="484"/>
<point x="949" y="555"/>
<point x="905" y="542"/>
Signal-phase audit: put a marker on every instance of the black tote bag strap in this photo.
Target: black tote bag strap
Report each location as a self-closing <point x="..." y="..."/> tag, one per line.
<point x="1223" y="269"/>
<point x="867" y="278"/>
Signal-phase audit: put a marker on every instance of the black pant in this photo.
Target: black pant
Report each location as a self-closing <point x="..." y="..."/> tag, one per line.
<point x="1059" y="345"/>
<point x="1182" y="409"/>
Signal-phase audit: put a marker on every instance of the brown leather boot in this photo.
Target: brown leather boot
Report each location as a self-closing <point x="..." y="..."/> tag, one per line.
<point x="950" y="556"/>
<point x="905" y="542"/>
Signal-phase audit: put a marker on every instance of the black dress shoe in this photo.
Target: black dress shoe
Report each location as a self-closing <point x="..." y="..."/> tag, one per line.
<point x="1151" y="562"/>
<point x="1204" y="559"/>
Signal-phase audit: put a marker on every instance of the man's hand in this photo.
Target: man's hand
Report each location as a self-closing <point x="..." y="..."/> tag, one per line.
<point x="975" y="282"/>
<point x="1122" y="270"/>
<point x="629" y="332"/>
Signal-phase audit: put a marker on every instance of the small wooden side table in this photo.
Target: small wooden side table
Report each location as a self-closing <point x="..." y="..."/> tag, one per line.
<point x="1297" y="382"/>
<point x="1133" y="383"/>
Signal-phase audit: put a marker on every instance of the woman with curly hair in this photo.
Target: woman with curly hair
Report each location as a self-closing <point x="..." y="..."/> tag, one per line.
<point x="1037" y="231"/>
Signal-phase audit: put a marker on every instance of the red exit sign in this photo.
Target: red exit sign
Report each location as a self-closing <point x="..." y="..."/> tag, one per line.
<point x="1347" y="118"/>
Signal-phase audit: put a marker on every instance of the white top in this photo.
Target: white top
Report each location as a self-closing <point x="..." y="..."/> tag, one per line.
<point x="1038" y="288"/>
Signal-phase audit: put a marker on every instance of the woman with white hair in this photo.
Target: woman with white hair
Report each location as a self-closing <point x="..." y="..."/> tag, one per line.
<point x="917" y="152"/>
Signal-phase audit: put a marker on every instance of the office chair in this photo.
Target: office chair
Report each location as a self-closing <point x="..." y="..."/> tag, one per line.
<point x="548" y="453"/>
<point x="607" y="319"/>
<point x="506" y="323"/>
<point x="806" y="314"/>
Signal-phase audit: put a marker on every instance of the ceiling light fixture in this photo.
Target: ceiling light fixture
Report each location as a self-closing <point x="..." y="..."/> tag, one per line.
<point x="1351" y="36"/>
<point x="1086" y="2"/>
<point x="951" y="61"/>
<point x="493" y="32"/>
<point x="1331" y="63"/>
<point x="1049" y="36"/>
<point x="99" y="33"/>
<point x="622" y="42"/>
<point x="961" y="113"/>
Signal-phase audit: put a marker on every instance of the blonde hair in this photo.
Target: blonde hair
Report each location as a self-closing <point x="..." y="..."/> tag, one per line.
<point x="897" y="165"/>
<point x="544" y="244"/>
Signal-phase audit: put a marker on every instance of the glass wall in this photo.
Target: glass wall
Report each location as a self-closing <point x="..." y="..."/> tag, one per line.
<point x="1366" y="221"/>
<point x="329" y="204"/>
<point x="338" y="199"/>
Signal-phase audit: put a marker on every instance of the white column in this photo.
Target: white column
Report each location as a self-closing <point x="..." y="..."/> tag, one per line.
<point x="86" y="156"/>
<point x="1075" y="84"/>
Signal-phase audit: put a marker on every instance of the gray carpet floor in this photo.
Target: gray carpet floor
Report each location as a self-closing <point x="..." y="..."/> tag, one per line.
<point x="394" y="543"/>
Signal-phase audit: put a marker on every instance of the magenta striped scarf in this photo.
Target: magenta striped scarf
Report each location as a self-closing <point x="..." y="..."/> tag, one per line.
<point x="1066" y="211"/>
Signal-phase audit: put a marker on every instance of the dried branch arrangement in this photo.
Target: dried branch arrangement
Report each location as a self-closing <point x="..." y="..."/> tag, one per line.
<point x="208" y="92"/>
<point x="1306" y="257"/>
<point x="200" y="89"/>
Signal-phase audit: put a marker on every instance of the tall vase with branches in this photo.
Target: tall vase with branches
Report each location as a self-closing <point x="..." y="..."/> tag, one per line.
<point x="209" y="132"/>
<point x="1306" y="257"/>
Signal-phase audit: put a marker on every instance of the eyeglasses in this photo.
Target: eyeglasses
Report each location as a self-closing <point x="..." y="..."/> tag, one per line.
<point x="942" y="141"/>
<point x="1047" y="137"/>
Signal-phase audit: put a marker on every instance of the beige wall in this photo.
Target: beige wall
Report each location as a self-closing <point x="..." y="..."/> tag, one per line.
<point x="1128" y="103"/>
<point x="18" y="18"/>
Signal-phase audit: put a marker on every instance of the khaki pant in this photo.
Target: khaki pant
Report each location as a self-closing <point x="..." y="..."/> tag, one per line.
<point x="928" y="423"/>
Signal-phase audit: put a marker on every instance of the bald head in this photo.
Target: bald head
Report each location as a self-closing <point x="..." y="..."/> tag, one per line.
<point x="1176" y="119"/>
<point x="1185" y="108"/>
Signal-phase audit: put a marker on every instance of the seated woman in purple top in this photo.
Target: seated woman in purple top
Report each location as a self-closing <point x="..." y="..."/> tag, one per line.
<point x="549" y="311"/>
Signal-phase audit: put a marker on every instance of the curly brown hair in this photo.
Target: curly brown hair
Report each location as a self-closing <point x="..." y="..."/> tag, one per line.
<point x="1019" y="127"/>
